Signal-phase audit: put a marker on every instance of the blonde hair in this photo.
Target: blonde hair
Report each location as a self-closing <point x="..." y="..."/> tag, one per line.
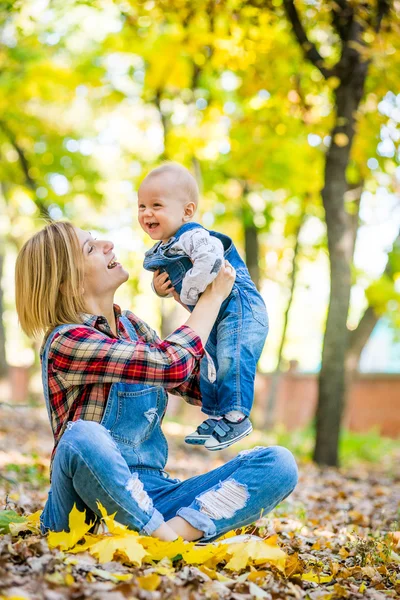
<point x="49" y="279"/>
<point x="182" y="178"/>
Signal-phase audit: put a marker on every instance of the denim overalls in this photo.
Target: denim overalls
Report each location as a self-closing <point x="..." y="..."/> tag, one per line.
<point x="120" y="462"/>
<point x="238" y="336"/>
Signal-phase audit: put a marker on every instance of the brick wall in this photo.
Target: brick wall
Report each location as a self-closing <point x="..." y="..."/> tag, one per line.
<point x="374" y="402"/>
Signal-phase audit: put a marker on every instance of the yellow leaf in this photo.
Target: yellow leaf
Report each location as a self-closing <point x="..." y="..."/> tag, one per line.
<point x="69" y="580"/>
<point x="157" y="549"/>
<point x="164" y="567"/>
<point x="32" y="523"/>
<point x="126" y="545"/>
<point x="198" y="555"/>
<point x="113" y="527"/>
<point x="257" y="576"/>
<point x="77" y="529"/>
<point x="223" y="578"/>
<point x="259" y="552"/>
<point x="211" y="573"/>
<point x="316" y="578"/>
<point x="293" y="565"/>
<point x="90" y="540"/>
<point x="369" y="571"/>
<point x="362" y="587"/>
<point x="149" y="582"/>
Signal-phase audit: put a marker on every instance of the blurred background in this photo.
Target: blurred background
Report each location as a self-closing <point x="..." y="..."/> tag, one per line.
<point x="288" y="114"/>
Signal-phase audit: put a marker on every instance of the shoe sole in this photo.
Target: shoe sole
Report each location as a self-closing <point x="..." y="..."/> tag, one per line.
<point x="197" y="441"/>
<point x="224" y="445"/>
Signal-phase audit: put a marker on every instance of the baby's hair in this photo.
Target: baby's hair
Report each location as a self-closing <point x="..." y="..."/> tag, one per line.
<point x="182" y="178"/>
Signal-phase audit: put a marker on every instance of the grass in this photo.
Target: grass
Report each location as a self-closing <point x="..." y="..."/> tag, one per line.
<point x="354" y="447"/>
<point x="370" y="447"/>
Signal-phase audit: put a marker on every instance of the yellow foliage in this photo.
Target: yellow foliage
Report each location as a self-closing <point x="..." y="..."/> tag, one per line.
<point x="149" y="582"/>
<point x="127" y="546"/>
<point x="32" y="523"/>
<point x="316" y="577"/>
<point x="122" y="543"/>
<point x="257" y="552"/>
<point x="77" y="529"/>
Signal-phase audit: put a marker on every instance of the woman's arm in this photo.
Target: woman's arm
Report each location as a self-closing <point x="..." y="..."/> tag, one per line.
<point x="207" y="308"/>
<point x="83" y="355"/>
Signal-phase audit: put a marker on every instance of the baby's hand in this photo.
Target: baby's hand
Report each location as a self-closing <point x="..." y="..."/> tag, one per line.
<point x="162" y="284"/>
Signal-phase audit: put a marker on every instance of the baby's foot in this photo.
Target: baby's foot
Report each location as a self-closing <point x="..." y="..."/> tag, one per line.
<point x="227" y="433"/>
<point x="202" y="433"/>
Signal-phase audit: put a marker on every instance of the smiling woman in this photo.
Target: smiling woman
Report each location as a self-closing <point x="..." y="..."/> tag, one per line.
<point x="105" y="377"/>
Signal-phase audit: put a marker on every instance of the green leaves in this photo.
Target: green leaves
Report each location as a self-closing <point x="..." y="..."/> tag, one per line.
<point x="7" y="517"/>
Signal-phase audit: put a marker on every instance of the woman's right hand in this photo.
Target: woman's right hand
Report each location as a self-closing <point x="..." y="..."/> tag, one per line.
<point x="222" y="285"/>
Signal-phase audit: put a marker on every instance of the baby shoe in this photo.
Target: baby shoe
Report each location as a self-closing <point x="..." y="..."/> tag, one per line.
<point x="202" y="433"/>
<point x="227" y="433"/>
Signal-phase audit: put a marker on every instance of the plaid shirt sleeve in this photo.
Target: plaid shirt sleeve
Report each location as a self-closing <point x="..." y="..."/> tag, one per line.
<point x="189" y="390"/>
<point x="82" y="355"/>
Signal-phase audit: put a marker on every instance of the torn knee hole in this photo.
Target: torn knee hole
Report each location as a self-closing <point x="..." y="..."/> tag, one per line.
<point x="138" y="493"/>
<point x="250" y="450"/>
<point x="225" y="501"/>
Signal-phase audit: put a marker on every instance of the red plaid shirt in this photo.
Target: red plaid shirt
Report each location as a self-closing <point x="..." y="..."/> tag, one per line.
<point x="85" y="360"/>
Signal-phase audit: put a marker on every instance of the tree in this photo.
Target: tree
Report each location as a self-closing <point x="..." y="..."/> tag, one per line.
<point x="355" y="26"/>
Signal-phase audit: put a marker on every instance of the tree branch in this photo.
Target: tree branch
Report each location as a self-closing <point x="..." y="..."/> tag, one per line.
<point x="361" y="334"/>
<point x="342" y="16"/>
<point x="383" y="10"/>
<point x="23" y="161"/>
<point x="309" y="49"/>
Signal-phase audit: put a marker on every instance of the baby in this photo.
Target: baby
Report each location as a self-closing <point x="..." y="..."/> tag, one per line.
<point x="187" y="257"/>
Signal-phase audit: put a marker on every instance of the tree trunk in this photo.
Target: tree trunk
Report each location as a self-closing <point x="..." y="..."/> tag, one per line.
<point x="340" y="244"/>
<point x="252" y="251"/>
<point x="276" y="376"/>
<point x="3" y="360"/>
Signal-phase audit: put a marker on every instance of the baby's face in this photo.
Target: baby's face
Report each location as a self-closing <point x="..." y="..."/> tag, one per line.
<point x="160" y="211"/>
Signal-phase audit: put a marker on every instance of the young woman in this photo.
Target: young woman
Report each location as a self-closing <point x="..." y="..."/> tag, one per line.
<point x="105" y="378"/>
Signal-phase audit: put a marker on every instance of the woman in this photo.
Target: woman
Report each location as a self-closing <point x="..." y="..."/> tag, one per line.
<point x="105" y="376"/>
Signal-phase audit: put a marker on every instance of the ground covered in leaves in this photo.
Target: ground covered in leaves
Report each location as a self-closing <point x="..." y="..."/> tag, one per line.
<point x="331" y="539"/>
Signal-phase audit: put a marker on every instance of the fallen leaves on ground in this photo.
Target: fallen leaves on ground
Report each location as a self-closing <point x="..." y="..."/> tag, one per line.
<point x="334" y="538"/>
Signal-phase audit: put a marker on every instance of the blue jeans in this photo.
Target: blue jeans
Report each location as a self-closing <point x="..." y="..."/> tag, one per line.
<point x="235" y="346"/>
<point x="89" y="466"/>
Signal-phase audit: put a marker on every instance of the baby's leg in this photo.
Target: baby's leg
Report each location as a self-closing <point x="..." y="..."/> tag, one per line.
<point x="240" y="340"/>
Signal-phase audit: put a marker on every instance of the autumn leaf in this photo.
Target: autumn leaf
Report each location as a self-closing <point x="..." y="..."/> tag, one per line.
<point x="126" y="545"/>
<point x="258" y="552"/>
<point x="7" y="517"/>
<point x="112" y="526"/>
<point x="149" y="582"/>
<point x="77" y="529"/>
<point x="316" y="577"/>
<point x="31" y="523"/>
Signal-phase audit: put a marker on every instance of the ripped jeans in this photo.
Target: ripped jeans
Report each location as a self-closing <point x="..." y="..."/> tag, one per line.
<point x="88" y="466"/>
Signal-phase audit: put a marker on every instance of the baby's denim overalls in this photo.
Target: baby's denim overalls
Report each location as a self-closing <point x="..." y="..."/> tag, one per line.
<point x="238" y="336"/>
<point x="121" y="462"/>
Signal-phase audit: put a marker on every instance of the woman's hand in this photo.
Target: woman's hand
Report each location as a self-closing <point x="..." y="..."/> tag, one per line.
<point x="222" y="285"/>
<point x="162" y="284"/>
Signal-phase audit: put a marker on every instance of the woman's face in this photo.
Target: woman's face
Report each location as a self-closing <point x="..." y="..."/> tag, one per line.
<point x="103" y="274"/>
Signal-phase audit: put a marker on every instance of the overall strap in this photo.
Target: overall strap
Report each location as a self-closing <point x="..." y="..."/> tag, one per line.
<point x="186" y="227"/>
<point x="44" y="355"/>
<point x="129" y="327"/>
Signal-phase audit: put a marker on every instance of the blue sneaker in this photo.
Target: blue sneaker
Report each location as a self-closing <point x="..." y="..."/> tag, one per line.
<point x="227" y="433"/>
<point x="202" y="433"/>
